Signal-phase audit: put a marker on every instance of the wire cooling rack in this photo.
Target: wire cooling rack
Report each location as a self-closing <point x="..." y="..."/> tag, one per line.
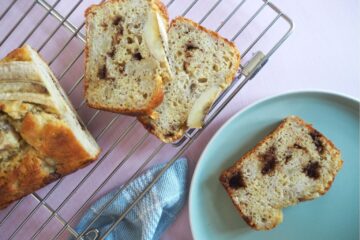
<point x="55" y="28"/>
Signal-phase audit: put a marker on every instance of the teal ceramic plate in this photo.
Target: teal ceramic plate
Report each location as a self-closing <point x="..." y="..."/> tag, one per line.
<point x="332" y="216"/>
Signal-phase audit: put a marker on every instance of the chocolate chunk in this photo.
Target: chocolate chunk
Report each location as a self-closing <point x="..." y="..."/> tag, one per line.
<point x="104" y="25"/>
<point x="116" y="39"/>
<point x="129" y="40"/>
<point x="149" y="126"/>
<point x="190" y="46"/>
<point x="192" y="87"/>
<point x="121" y="30"/>
<point x="102" y="72"/>
<point x="312" y="170"/>
<point x="137" y="56"/>
<point x="186" y="66"/>
<point x="112" y="52"/>
<point x="316" y="137"/>
<point x="269" y="161"/>
<point x="121" y="67"/>
<point x="297" y="146"/>
<point x="202" y="80"/>
<point x="237" y="181"/>
<point x="117" y="20"/>
<point x="287" y="158"/>
<point x="188" y="54"/>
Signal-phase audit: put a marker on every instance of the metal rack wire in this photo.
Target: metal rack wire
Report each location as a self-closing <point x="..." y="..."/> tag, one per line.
<point x="41" y="201"/>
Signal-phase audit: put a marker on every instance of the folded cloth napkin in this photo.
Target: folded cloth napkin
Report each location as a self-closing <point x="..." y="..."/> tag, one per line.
<point x="153" y="214"/>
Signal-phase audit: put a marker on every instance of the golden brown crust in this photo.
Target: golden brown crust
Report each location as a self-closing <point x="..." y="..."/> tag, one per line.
<point x="94" y="7"/>
<point x="226" y="174"/>
<point x="57" y="141"/>
<point x="86" y="51"/>
<point x="125" y="111"/>
<point x="146" y="122"/>
<point x="24" y="179"/>
<point x="163" y="10"/>
<point x="19" y="54"/>
<point x="49" y="148"/>
<point x="88" y="11"/>
<point x="158" y="3"/>
<point x="27" y="177"/>
<point x="156" y="100"/>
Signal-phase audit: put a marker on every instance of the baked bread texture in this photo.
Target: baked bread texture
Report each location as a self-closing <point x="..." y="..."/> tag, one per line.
<point x="41" y="137"/>
<point x="125" y="55"/>
<point x="294" y="163"/>
<point x="203" y="65"/>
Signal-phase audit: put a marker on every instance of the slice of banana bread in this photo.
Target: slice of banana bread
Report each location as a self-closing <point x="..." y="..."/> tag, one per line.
<point x="294" y="163"/>
<point x="125" y="60"/>
<point x="203" y="64"/>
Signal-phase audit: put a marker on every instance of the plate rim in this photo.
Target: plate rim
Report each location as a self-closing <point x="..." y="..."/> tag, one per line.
<point x="241" y="111"/>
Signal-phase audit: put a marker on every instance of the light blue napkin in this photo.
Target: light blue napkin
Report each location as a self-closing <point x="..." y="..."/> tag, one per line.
<point x="153" y="214"/>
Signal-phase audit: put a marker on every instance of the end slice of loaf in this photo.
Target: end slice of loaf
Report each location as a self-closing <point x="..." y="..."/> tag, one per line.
<point x="294" y="163"/>
<point x="41" y="136"/>
<point x="203" y="65"/>
<point x="126" y="63"/>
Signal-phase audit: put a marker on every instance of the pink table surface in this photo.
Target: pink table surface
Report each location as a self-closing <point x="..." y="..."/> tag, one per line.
<point x="322" y="53"/>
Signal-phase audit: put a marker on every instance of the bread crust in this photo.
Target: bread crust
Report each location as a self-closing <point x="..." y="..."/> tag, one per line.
<point x="158" y="94"/>
<point x="18" y="54"/>
<point x="163" y="10"/>
<point x="55" y="140"/>
<point x="51" y="149"/>
<point x="146" y="122"/>
<point x="28" y="175"/>
<point x="226" y="174"/>
<point x="155" y="101"/>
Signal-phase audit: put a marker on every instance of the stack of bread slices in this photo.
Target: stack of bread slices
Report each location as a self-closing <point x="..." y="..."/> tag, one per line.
<point x="168" y="75"/>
